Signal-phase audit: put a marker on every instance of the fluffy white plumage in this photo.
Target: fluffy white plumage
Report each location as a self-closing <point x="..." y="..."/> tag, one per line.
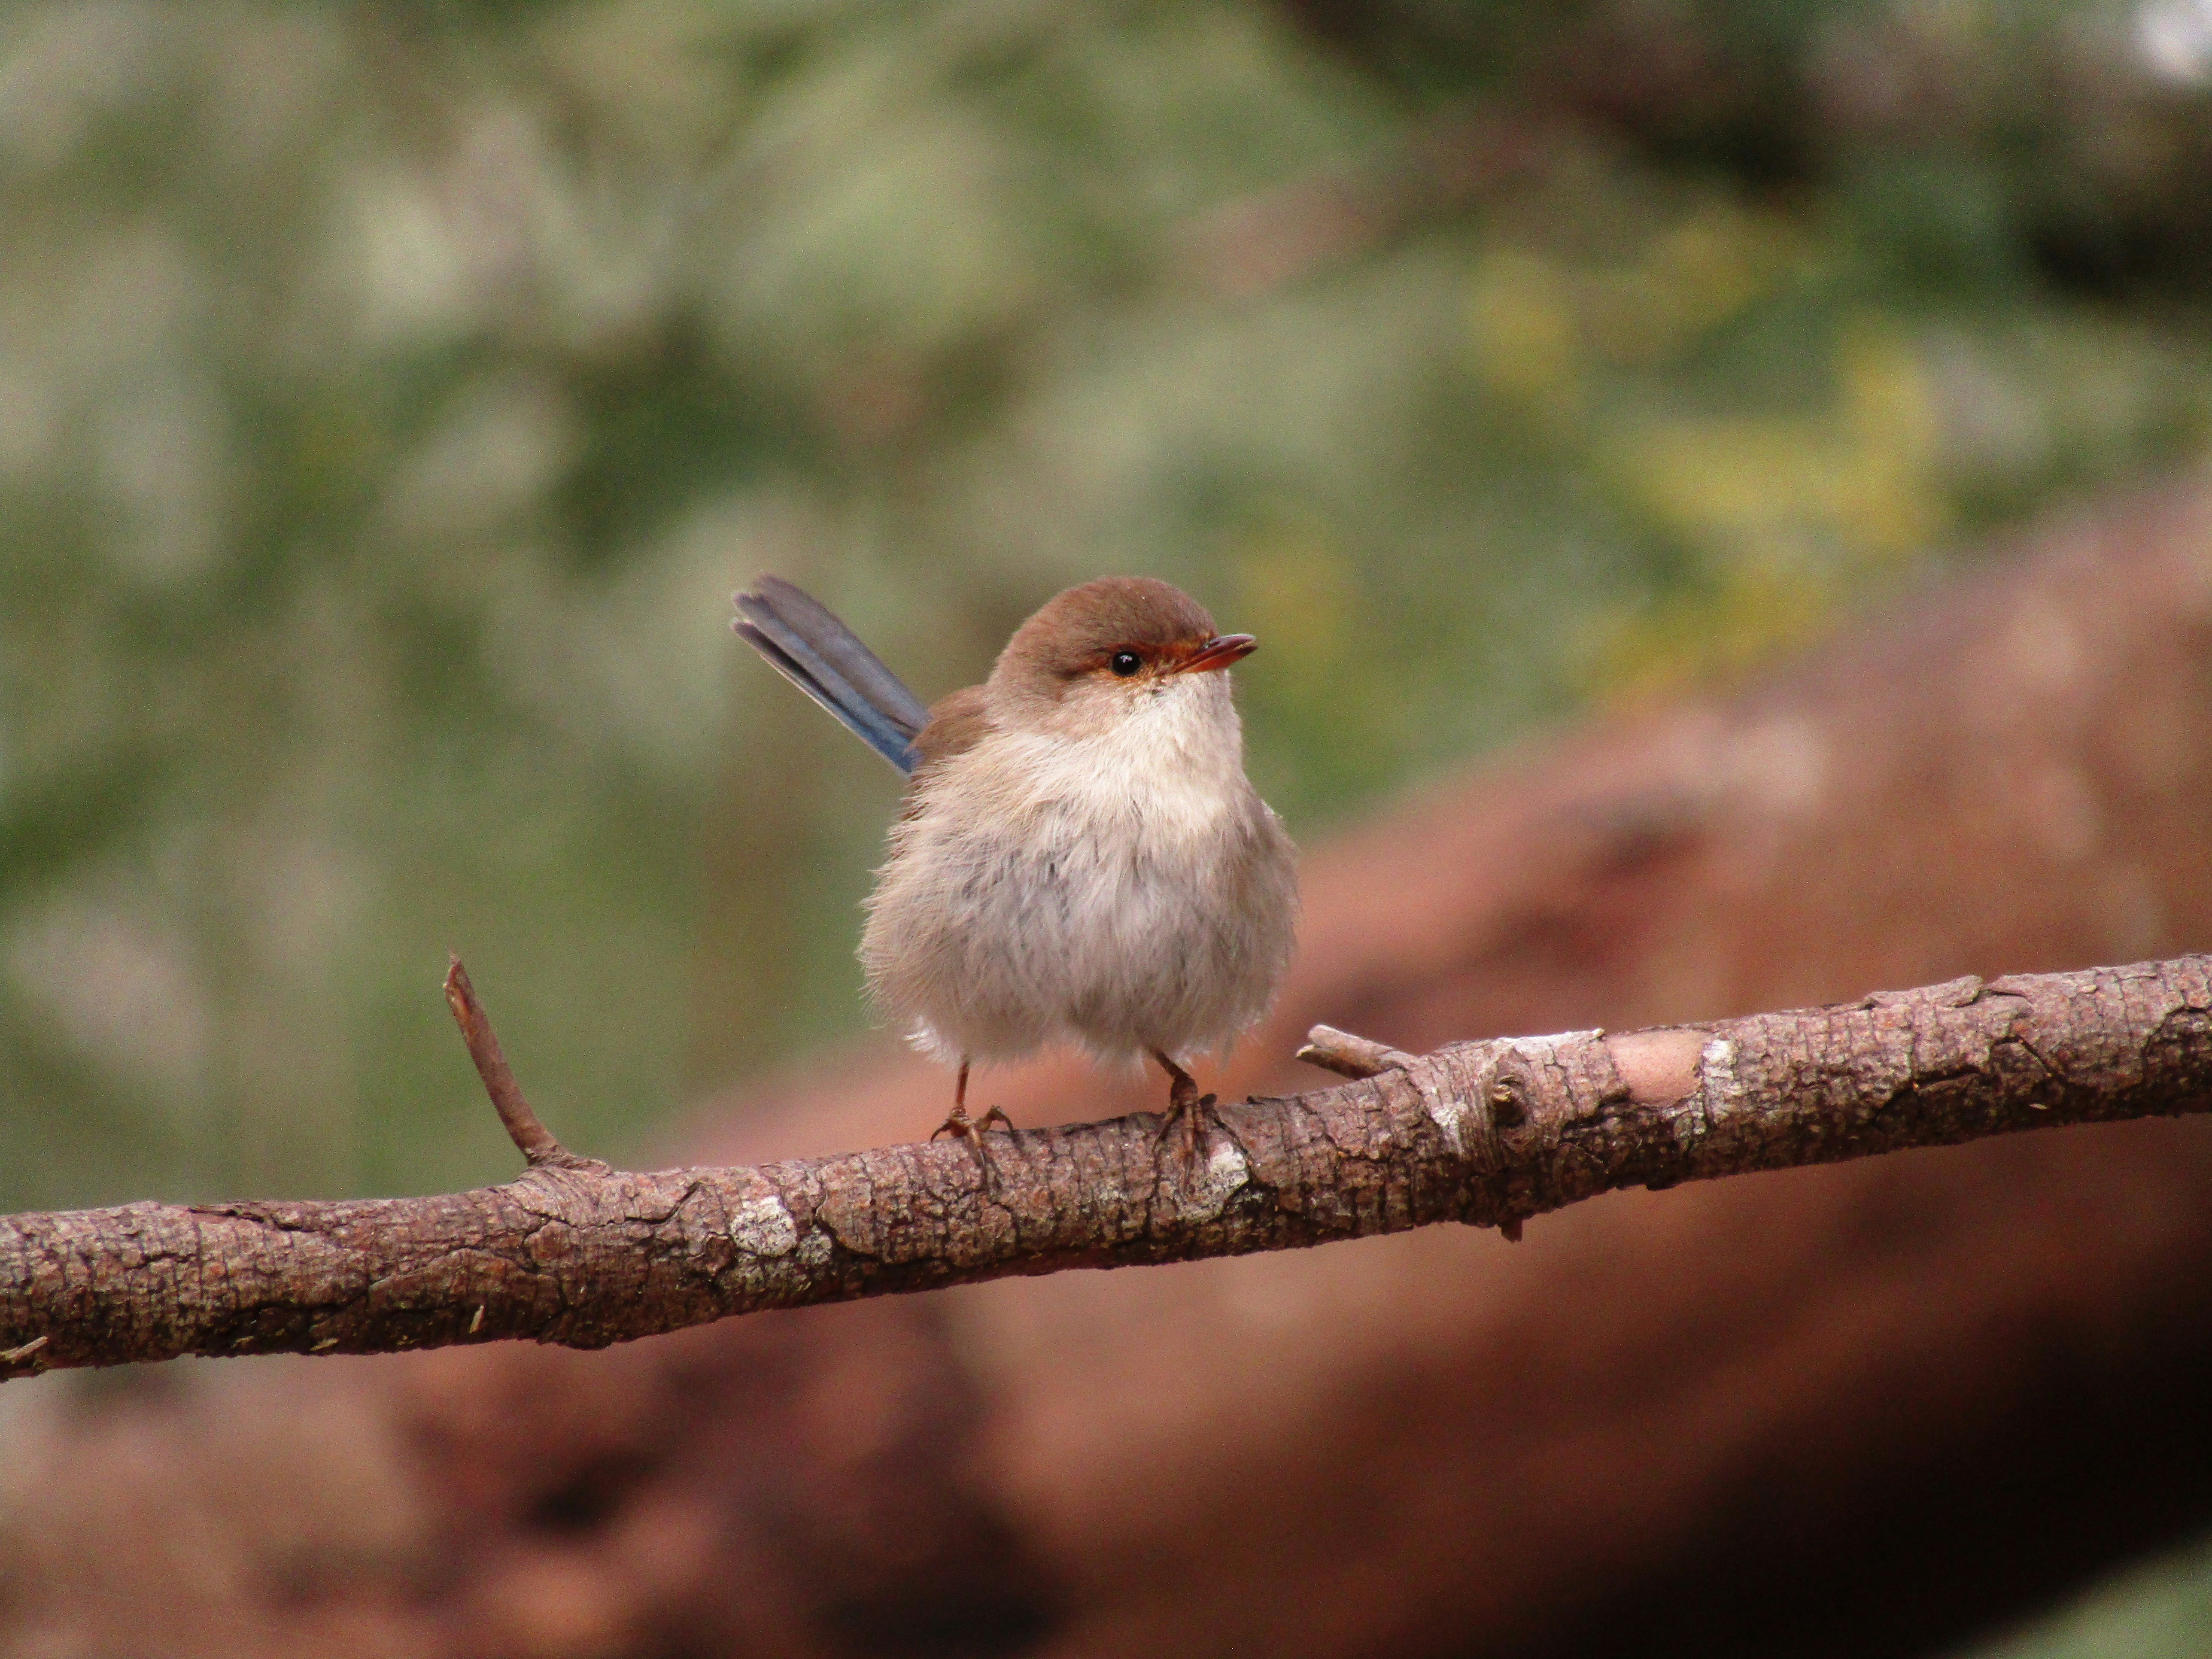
<point x="1104" y="875"/>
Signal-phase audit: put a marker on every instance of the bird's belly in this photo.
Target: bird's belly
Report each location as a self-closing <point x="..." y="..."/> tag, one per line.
<point x="994" y="941"/>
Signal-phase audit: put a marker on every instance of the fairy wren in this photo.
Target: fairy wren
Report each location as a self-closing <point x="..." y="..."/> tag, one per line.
<point x="1079" y="857"/>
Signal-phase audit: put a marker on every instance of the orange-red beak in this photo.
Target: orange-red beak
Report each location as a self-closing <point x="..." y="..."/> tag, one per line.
<point x="1219" y="653"/>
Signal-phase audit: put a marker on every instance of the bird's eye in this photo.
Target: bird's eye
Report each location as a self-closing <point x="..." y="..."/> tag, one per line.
<point x="1125" y="663"/>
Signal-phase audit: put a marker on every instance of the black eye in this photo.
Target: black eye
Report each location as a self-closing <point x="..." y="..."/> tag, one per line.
<point x="1125" y="663"/>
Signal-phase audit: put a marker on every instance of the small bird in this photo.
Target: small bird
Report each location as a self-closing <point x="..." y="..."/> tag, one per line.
<point x="1079" y="857"/>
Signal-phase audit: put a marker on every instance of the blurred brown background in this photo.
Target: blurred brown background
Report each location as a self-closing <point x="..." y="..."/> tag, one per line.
<point x="1719" y="487"/>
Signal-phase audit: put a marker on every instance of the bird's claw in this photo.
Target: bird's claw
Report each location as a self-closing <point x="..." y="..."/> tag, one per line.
<point x="1195" y="1113"/>
<point x="958" y="1124"/>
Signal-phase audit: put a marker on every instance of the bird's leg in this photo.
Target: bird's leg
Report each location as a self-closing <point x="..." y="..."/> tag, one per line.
<point x="970" y="1129"/>
<point x="1186" y="1106"/>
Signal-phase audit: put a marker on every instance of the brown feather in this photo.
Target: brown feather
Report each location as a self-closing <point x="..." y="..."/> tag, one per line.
<point x="957" y="724"/>
<point x="1078" y="630"/>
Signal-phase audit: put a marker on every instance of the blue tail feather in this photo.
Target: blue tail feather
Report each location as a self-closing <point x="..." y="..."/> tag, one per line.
<point x="817" y="653"/>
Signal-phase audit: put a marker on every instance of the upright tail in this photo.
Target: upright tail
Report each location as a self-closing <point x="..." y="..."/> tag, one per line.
<point x="819" y="655"/>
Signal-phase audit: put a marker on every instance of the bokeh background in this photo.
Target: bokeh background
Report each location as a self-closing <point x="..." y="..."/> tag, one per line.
<point x="391" y="395"/>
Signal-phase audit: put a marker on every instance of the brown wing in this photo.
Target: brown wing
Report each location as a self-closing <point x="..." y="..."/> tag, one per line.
<point x="957" y="724"/>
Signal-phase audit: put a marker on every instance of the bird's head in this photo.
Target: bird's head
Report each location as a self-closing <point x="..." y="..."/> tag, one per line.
<point x="1111" y="650"/>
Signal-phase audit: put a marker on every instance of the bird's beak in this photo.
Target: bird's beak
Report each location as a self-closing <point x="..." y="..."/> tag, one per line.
<point x="1219" y="653"/>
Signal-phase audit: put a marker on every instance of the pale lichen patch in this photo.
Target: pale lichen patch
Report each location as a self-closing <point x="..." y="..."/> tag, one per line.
<point x="1445" y="1109"/>
<point x="1719" y="1089"/>
<point x="1545" y="1050"/>
<point x="763" y="1227"/>
<point x="1219" y="1179"/>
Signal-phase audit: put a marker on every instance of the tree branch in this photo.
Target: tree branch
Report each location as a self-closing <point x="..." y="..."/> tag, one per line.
<point x="1487" y="1132"/>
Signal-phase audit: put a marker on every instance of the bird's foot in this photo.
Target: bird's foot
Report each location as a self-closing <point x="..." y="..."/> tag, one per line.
<point x="1194" y="1113"/>
<point x="957" y="1123"/>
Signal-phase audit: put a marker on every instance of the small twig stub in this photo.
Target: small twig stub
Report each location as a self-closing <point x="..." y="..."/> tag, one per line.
<point x="530" y="1136"/>
<point x="1351" y="1056"/>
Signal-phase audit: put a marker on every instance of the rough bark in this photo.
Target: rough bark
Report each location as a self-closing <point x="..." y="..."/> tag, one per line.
<point x="1487" y="1132"/>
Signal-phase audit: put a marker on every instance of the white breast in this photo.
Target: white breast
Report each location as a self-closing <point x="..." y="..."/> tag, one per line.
<point x="1127" y="890"/>
<point x="1169" y="774"/>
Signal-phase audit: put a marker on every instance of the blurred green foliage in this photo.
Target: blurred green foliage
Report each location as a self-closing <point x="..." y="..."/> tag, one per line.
<point x="2159" y="1610"/>
<point x="389" y="396"/>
